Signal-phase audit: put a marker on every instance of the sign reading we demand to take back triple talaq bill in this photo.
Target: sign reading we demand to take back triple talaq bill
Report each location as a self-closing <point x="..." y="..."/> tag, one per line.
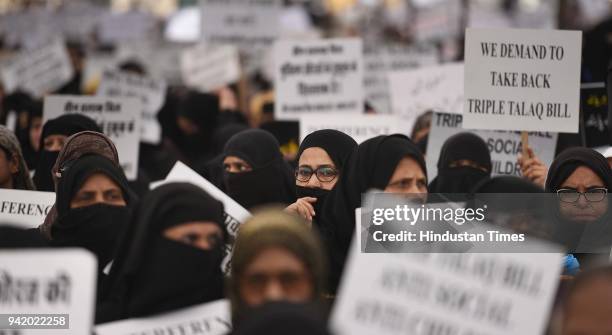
<point x="518" y="79"/>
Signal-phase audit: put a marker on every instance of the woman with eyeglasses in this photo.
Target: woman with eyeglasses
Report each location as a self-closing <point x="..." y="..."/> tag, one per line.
<point x="321" y="156"/>
<point x="581" y="178"/>
<point x="254" y="170"/>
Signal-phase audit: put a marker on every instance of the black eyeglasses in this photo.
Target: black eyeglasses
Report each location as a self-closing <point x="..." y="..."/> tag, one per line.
<point x="591" y="195"/>
<point x="324" y="173"/>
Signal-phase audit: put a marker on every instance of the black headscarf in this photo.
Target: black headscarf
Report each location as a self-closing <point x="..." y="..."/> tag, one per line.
<point x="370" y="166"/>
<point x="203" y="110"/>
<point x="271" y="179"/>
<point x="153" y="274"/>
<point x="213" y="170"/>
<point x="462" y="146"/>
<point x="67" y="125"/>
<point x="95" y="227"/>
<point x="283" y="318"/>
<point x="338" y="146"/>
<point x="580" y="237"/>
<point x="569" y="160"/>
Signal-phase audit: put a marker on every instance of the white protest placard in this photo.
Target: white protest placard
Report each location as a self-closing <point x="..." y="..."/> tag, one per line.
<point x="359" y="127"/>
<point x="235" y="214"/>
<point x="478" y="293"/>
<point x="212" y="318"/>
<point x="318" y="76"/>
<point x="151" y="92"/>
<point x="379" y="61"/>
<point x="437" y="20"/>
<point x="504" y="146"/>
<point x="436" y="88"/>
<point x="119" y="119"/>
<point x="245" y="23"/>
<point x="207" y="68"/>
<point x="129" y="26"/>
<point x="37" y="71"/>
<point x="26" y="209"/>
<point x="60" y="283"/>
<point x="520" y="79"/>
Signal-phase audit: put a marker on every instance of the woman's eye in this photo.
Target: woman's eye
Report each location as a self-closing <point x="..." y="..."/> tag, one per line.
<point x="226" y="167"/>
<point x="190" y="238"/>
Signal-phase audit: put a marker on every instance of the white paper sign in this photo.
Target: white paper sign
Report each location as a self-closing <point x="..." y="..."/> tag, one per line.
<point x="26" y="209"/>
<point x="207" y="68"/>
<point x="445" y="293"/>
<point x="235" y="214"/>
<point x="206" y="319"/>
<point x="436" y="88"/>
<point x="379" y="61"/>
<point x="49" y="281"/>
<point x="119" y="119"/>
<point x="436" y="20"/>
<point x="504" y="146"/>
<point x="151" y="92"/>
<point x="245" y="23"/>
<point x="359" y="127"/>
<point x="318" y="76"/>
<point x="38" y="71"/>
<point x="130" y="26"/>
<point x="519" y="79"/>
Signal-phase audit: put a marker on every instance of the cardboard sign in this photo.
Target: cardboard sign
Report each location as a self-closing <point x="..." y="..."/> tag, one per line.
<point x="39" y="71"/>
<point x="379" y="61"/>
<point x="235" y="214"/>
<point x="59" y="282"/>
<point x="445" y="293"/>
<point x="245" y="23"/>
<point x="595" y="115"/>
<point x="319" y="76"/>
<point x="504" y="146"/>
<point x="212" y="318"/>
<point x="150" y="91"/>
<point x="359" y="127"/>
<point x="119" y="119"/>
<point x="26" y="209"/>
<point x="207" y="68"/>
<point x="519" y="79"/>
<point x="436" y="88"/>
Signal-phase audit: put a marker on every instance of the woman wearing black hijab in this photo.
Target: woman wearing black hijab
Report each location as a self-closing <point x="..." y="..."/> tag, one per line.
<point x="93" y="206"/>
<point x="389" y="163"/>
<point x="54" y="133"/>
<point x="170" y="255"/>
<point x="321" y="157"/>
<point x="213" y="169"/>
<point x="581" y="177"/>
<point x="255" y="172"/>
<point x="197" y="117"/>
<point x="464" y="161"/>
